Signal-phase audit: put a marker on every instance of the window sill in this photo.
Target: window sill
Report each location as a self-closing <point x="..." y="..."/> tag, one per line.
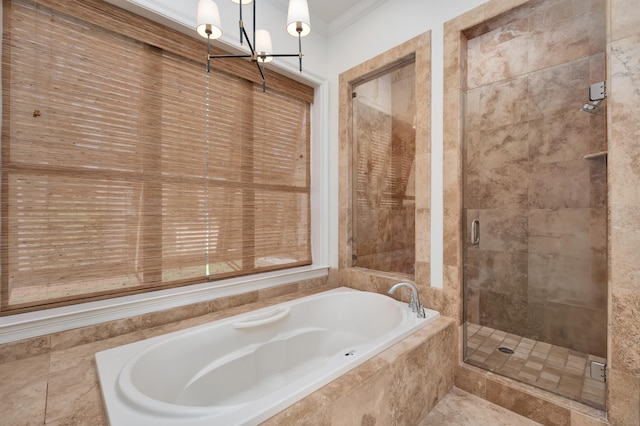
<point x="33" y="324"/>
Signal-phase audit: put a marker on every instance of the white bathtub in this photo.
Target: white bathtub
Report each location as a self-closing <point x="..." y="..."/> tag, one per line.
<point x="244" y="369"/>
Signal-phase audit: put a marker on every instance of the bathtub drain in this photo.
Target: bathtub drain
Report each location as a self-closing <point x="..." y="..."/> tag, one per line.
<point x="350" y="353"/>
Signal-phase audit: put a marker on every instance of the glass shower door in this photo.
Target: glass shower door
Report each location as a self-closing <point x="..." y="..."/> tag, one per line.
<point x="534" y="203"/>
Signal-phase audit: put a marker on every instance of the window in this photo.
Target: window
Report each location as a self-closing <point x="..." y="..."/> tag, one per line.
<point x="383" y="177"/>
<point x="125" y="168"/>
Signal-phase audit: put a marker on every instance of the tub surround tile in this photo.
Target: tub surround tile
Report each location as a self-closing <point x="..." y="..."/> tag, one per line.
<point x="433" y="298"/>
<point x="398" y="386"/>
<point x="25" y="348"/>
<point x="73" y="396"/>
<point x="365" y="404"/>
<point x="23" y="390"/>
<point x="25" y="404"/>
<point x="281" y="290"/>
<point x="72" y="357"/>
<point x="425" y="377"/>
<point x="314" y="410"/>
<point x="460" y="408"/>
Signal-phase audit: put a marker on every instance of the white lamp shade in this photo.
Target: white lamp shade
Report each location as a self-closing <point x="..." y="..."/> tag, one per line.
<point x="263" y="45"/>
<point x="298" y="16"/>
<point x="243" y="1"/>
<point x="208" y="19"/>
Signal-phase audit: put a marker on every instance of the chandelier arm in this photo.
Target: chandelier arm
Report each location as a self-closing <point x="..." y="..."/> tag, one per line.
<point x="246" y="55"/>
<point x="253" y="52"/>
<point x="254" y="23"/>
<point x="241" y="23"/>
<point x="284" y="55"/>
<point x="208" y="53"/>
<point x="300" y="47"/>
<point x="264" y="83"/>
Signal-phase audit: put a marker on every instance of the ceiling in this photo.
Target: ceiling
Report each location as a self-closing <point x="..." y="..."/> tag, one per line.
<point x="329" y="10"/>
<point x="330" y="16"/>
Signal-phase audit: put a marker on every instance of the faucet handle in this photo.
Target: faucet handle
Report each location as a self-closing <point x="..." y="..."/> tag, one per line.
<point x="417" y="307"/>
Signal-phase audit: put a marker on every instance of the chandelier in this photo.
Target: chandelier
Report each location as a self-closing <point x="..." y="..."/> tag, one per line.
<point x="261" y="52"/>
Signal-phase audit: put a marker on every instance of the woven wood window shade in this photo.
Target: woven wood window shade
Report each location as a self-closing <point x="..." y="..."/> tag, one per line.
<point x="140" y="172"/>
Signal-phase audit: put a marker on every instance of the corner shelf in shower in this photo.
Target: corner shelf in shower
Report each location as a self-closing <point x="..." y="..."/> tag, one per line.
<point x="596" y="155"/>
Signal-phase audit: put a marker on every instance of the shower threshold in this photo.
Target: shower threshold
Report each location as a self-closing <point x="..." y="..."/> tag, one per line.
<point x="560" y="370"/>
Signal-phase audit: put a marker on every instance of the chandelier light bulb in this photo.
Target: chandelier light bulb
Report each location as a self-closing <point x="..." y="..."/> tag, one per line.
<point x="208" y="20"/>
<point x="263" y="46"/>
<point x="298" y="22"/>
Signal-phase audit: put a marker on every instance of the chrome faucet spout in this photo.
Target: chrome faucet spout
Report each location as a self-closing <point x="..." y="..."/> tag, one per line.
<point x="414" y="304"/>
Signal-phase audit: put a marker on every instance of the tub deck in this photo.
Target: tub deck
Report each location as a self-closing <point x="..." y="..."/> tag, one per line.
<point x="54" y="378"/>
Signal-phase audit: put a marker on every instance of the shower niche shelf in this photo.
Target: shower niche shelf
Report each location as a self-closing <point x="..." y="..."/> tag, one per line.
<point x="596" y="155"/>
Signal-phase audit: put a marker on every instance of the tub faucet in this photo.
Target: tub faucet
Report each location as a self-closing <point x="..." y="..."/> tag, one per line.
<point x="414" y="304"/>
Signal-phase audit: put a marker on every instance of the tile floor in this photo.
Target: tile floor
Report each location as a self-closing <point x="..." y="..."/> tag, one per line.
<point x="460" y="408"/>
<point x="554" y="368"/>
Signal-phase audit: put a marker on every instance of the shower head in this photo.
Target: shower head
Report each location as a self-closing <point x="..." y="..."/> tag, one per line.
<point x="597" y="93"/>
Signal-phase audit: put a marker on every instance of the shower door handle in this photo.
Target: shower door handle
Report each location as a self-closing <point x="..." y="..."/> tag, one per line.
<point x="475" y="232"/>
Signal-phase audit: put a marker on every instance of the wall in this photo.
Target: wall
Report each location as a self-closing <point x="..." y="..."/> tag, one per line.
<point x="540" y="268"/>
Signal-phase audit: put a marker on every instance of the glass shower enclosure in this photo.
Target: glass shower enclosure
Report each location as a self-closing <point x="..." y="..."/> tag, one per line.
<point x="535" y="198"/>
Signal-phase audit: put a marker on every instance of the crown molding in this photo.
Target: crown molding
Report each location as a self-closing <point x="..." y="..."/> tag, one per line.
<point x="352" y="15"/>
<point x="171" y="13"/>
<point x="343" y="21"/>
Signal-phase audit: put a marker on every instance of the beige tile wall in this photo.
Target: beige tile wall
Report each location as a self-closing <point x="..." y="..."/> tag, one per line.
<point x="539" y="270"/>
